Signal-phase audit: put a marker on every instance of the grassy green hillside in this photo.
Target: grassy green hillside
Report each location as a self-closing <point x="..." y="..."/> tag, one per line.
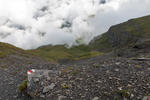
<point x="7" y="49"/>
<point x="101" y="43"/>
<point x="50" y="53"/>
<point x="60" y="52"/>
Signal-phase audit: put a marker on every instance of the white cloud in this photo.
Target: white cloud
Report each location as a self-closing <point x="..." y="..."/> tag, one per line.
<point x="32" y="23"/>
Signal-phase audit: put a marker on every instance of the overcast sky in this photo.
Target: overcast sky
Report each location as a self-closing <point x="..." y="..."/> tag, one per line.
<point x="31" y="23"/>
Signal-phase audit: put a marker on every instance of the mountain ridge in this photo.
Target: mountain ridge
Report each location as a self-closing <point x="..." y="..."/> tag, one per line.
<point x="125" y="33"/>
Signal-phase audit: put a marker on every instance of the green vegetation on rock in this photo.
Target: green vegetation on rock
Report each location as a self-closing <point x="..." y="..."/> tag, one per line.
<point x="124" y="93"/>
<point x="101" y="43"/>
<point x="23" y="86"/>
<point x="115" y="98"/>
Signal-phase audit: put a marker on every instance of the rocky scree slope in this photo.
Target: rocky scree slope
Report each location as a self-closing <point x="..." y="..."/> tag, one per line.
<point x="14" y="63"/>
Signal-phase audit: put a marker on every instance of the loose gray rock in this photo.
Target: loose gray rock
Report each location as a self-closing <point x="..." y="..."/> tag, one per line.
<point x="48" y="88"/>
<point x="36" y="80"/>
<point x="116" y="70"/>
<point x="95" y="98"/>
<point x="146" y="98"/>
<point x="61" y="97"/>
<point x="117" y="63"/>
<point x="42" y="96"/>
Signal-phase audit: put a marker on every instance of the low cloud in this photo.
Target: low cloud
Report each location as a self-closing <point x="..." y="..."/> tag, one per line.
<point x="31" y="23"/>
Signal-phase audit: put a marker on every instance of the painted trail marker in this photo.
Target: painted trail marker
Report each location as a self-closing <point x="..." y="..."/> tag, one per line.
<point x="38" y="80"/>
<point x="31" y="71"/>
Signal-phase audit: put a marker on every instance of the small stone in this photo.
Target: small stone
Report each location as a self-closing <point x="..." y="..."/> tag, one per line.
<point x="95" y="98"/>
<point x="116" y="70"/>
<point x="132" y="96"/>
<point x="52" y="86"/>
<point x="110" y="78"/>
<point x="146" y="98"/>
<point x="48" y="88"/>
<point x="125" y="99"/>
<point x="36" y="80"/>
<point x="86" y="89"/>
<point x="117" y="63"/>
<point x="11" y="83"/>
<point x="99" y="81"/>
<point x="42" y="96"/>
<point x="61" y="97"/>
<point x="80" y="79"/>
<point x="15" y="96"/>
<point x="148" y="68"/>
<point x="107" y="71"/>
<point x="42" y="83"/>
<point x="147" y="84"/>
<point x="119" y="88"/>
<point x="48" y="78"/>
<point x="129" y="85"/>
<point x="59" y="73"/>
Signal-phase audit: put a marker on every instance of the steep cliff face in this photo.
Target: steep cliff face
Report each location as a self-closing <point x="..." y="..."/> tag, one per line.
<point x="127" y="34"/>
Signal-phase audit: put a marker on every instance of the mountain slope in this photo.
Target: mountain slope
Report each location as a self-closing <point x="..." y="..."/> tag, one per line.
<point x="7" y="49"/>
<point x="126" y="34"/>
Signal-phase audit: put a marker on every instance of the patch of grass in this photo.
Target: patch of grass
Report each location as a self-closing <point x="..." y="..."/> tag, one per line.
<point x="88" y="55"/>
<point x="5" y="53"/>
<point x="23" y="86"/>
<point x="4" y="66"/>
<point x="138" y="66"/>
<point x="96" y="65"/>
<point x="64" y="86"/>
<point x="51" y="53"/>
<point x="148" y="94"/>
<point x="124" y="93"/>
<point x="65" y="70"/>
<point x="115" y="98"/>
<point x="101" y="43"/>
<point x="30" y="62"/>
<point x="7" y="49"/>
<point x="61" y="52"/>
<point x="75" y="72"/>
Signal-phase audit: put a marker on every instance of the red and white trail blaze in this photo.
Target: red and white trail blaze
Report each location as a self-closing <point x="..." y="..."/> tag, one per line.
<point x="31" y="71"/>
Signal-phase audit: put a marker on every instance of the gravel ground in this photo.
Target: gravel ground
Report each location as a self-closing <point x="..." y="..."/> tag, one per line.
<point x="119" y="78"/>
<point x="99" y="78"/>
